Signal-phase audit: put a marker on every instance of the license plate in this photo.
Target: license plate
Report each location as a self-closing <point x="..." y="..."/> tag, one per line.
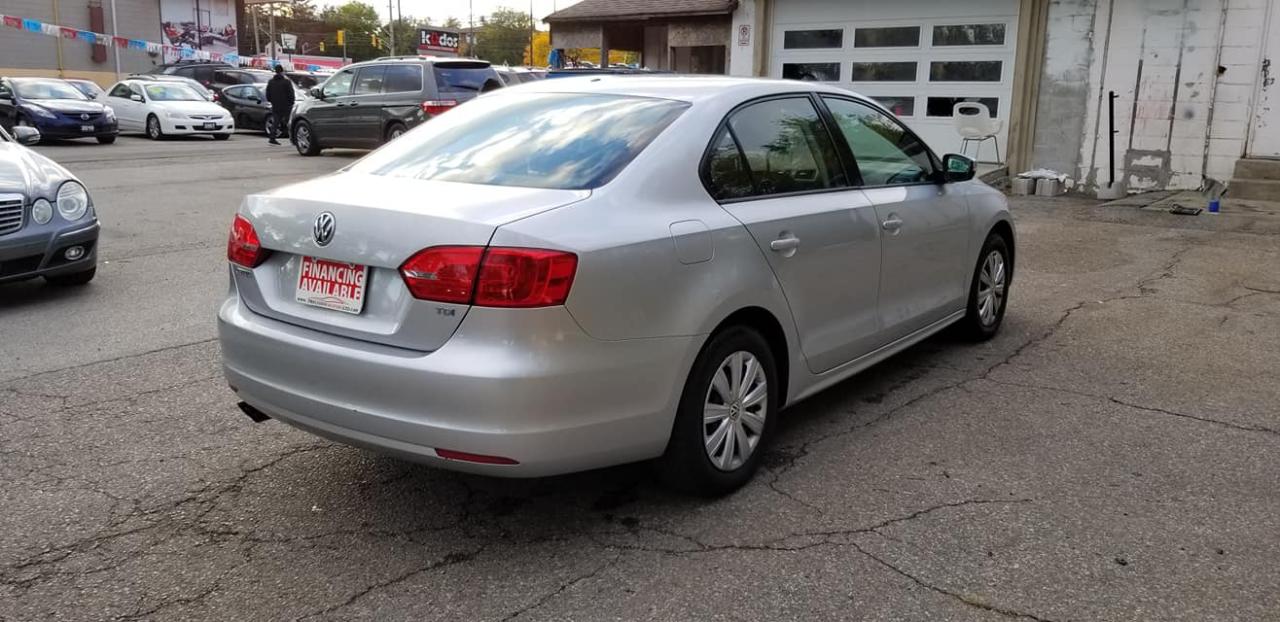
<point x="209" y="126"/>
<point x="86" y="128"/>
<point x="332" y="285"/>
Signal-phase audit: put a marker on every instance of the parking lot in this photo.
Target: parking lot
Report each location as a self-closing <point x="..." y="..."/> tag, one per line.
<point x="1110" y="455"/>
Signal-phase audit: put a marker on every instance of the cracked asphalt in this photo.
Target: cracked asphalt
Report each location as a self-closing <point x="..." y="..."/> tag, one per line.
<point x="1111" y="455"/>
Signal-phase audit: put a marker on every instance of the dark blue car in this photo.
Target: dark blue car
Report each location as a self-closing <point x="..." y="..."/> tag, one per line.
<point x="56" y="108"/>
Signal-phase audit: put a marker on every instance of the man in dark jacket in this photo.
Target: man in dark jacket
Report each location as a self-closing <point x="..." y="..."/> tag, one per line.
<point x="280" y="96"/>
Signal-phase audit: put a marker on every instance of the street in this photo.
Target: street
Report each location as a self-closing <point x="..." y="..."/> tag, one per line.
<point x="1111" y="454"/>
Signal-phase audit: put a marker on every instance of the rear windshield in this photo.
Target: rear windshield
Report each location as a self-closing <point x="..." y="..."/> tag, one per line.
<point x="564" y="141"/>
<point x="463" y="77"/>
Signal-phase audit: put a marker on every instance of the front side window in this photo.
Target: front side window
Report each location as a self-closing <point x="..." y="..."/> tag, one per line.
<point x="402" y="79"/>
<point x="120" y="90"/>
<point x="886" y="153"/>
<point x="786" y="146"/>
<point x="369" y="81"/>
<point x="339" y="84"/>
<point x="546" y="140"/>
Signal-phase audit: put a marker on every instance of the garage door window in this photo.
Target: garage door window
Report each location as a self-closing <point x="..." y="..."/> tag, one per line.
<point x="965" y="70"/>
<point x="813" y="39"/>
<point x="894" y="37"/>
<point x="886" y="153"/>
<point x="945" y="106"/>
<point x="903" y="106"/>
<point x="785" y="147"/>
<point x="819" y="72"/>
<point x="969" y="34"/>
<point x="883" y="72"/>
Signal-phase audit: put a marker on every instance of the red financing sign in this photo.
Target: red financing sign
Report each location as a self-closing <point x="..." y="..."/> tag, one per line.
<point x="438" y="40"/>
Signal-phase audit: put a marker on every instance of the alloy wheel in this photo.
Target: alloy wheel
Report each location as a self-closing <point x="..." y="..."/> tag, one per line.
<point x="302" y="137"/>
<point x="991" y="288"/>
<point x="153" y="127"/>
<point x="734" y="411"/>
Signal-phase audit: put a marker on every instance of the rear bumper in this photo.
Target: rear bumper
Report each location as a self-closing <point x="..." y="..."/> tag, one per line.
<point x="37" y="250"/>
<point x="525" y="384"/>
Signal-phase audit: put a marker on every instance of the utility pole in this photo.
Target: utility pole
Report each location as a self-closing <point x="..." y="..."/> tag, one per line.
<point x="471" y="27"/>
<point x="532" y="29"/>
<point x="199" y="38"/>
<point x="115" y="33"/>
<point x="275" y="46"/>
<point x="391" y="26"/>
<point x="257" y="43"/>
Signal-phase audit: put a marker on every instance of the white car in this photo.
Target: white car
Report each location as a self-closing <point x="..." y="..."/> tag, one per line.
<point x="167" y="108"/>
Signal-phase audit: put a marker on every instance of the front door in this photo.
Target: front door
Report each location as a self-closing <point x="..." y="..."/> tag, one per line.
<point x="127" y="111"/>
<point x="328" y="114"/>
<point x="364" y="110"/>
<point x="1265" y="139"/>
<point x="775" y="169"/>
<point x="924" y="225"/>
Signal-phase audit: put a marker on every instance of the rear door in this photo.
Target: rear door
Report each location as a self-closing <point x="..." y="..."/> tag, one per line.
<point x="402" y="94"/>
<point x="774" y="167"/>
<point x="328" y="114"/>
<point x="925" y="260"/>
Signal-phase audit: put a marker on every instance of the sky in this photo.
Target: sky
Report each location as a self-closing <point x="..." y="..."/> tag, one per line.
<point x="440" y="10"/>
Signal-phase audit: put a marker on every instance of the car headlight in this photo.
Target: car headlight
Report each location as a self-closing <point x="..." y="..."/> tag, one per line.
<point x="40" y="111"/>
<point x="73" y="201"/>
<point x="42" y="211"/>
<point x="175" y="115"/>
<point x="108" y="113"/>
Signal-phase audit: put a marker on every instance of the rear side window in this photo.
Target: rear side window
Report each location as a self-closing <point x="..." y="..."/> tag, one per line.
<point x="547" y="140"/>
<point x="369" y="80"/>
<point x="402" y="79"/>
<point x="726" y="170"/>
<point x="786" y="146"/>
<point x="464" y="77"/>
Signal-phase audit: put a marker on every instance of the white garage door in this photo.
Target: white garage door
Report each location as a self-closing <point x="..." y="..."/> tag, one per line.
<point x="916" y="57"/>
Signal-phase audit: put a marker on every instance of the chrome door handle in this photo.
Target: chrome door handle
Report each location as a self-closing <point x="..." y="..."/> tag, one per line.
<point x="785" y="244"/>
<point x="892" y="224"/>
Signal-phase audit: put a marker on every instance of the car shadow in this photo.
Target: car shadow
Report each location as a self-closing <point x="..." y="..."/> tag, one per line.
<point x="37" y="292"/>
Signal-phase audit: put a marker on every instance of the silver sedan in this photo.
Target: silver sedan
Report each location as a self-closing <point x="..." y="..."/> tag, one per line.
<point x="593" y="271"/>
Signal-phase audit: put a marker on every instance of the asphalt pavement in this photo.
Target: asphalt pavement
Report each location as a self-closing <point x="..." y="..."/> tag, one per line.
<point x="1111" y="455"/>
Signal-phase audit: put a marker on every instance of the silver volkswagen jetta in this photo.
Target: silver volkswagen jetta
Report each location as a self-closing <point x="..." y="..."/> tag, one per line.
<point x="588" y="272"/>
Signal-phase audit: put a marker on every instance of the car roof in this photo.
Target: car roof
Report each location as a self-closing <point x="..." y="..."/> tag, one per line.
<point x="688" y="88"/>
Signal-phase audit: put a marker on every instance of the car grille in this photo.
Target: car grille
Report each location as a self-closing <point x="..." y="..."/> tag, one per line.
<point x="79" y="116"/>
<point x="206" y="117"/>
<point x="10" y="213"/>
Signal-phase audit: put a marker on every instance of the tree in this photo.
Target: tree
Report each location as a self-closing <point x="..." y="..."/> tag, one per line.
<point x="453" y="22"/>
<point x="503" y="38"/>
<point x="541" y="49"/>
<point x="361" y="22"/>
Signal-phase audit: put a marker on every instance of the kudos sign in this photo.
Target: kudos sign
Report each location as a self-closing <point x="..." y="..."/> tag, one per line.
<point x="438" y="40"/>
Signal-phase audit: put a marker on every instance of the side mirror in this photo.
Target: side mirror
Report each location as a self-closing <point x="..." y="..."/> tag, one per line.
<point x="136" y="97"/>
<point x="6" y="95"/>
<point x="316" y="92"/>
<point x="26" y="135"/>
<point x="956" y="167"/>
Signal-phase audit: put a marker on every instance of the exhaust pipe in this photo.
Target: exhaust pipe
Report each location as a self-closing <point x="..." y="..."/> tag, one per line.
<point x="253" y="413"/>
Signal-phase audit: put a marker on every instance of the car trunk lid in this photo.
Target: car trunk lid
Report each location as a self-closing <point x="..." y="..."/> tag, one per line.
<point x="379" y="222"/>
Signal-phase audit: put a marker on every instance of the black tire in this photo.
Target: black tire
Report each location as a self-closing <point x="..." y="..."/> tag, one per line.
<point x="154" y="131"/>
<point x="974" y="326"/>
<point x="686" y="465"/>
<point x="393" y="132"/>
<point x="304" y="139"/>
<point x="67" y="280"/>
<point x="221" y="136"/>
<point x="107" y="140"/>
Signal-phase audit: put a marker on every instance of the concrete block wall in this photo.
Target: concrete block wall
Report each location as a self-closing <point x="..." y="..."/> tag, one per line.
<point x="30" y="54"/>
<point x="1179" y="116"/>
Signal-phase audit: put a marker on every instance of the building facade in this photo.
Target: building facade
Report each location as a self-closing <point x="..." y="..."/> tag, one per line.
<point x="1193" y="79"/>
<point x="208" y="25"/>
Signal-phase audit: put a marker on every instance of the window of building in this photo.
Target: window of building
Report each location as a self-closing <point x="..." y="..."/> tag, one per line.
<point x="812" y="39"/>
<point x="891" y="37"/>
<point x="945" y="106"/>
<point x="902" y="106"/>
<point x="813" y="72"/>
<point x="883" y="72"/>
<point x="969" y="34"/>
<point x="965" y="70"/>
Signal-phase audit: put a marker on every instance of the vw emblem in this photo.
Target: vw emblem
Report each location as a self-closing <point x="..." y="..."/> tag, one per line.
<point x="84" y="116"/>
<point x="324" y="228"/>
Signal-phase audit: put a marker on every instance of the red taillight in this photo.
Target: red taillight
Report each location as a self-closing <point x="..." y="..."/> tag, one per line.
<point x="443" y="273"/>
<point x="449" y="454"/>
<point x="243" y="247"/>
<point x="434" y="107"/>
<point x="493" y="277"/>
<point x="525" y="277"/>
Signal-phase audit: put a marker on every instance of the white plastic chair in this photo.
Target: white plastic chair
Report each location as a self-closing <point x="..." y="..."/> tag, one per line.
<point x="974" y="123"/>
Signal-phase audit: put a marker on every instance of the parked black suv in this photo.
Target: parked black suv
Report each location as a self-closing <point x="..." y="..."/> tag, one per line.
<point x="199" y="70"/>
<point x="367" y="104"/>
